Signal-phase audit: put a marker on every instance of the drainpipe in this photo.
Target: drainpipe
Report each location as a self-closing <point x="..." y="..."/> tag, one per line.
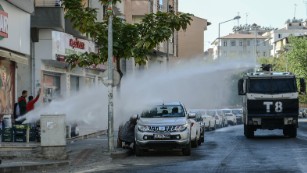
<point x="33" y="67"/>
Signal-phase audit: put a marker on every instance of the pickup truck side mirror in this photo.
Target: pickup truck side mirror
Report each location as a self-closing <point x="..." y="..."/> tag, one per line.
<point x="302" y="86"/>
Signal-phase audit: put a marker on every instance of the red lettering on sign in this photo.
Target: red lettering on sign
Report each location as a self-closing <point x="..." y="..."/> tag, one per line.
<point x="76" y="44"/>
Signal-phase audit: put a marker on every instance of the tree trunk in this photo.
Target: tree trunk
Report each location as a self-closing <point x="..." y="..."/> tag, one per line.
<point x="118" y="67"/>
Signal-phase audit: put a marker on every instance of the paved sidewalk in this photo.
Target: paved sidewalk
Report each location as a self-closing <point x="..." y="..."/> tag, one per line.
<point x="82" y="153"/>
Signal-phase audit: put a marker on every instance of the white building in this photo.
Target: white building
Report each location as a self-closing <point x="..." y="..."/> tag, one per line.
<point x="292" y="27"/>
<point x="241" y="46"/>
<point x="54" y="38"/>
<point x="14" y="51"/>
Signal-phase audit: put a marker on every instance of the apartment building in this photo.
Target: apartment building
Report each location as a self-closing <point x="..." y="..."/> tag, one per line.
<point x="53" y="38"/>
<point x="14" y="51"/>
<point x="237" y="45"/>
<point x="191" y="41"/>
<point x="278" y="37"/>
<point x="182" y="44"/>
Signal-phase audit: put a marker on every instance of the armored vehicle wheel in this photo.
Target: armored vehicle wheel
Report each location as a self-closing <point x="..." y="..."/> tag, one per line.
<point x="248" y="131"/>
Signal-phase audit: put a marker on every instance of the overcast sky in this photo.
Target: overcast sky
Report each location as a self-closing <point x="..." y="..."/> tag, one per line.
<point x="268" y="13"/>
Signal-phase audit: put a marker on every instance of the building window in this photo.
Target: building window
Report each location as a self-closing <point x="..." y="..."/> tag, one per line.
<point x="225" y="43"/>
<point x="264" y="54"/>
<point x="257" y="42"/>
<point x="248" y="42"/>
<point x="240" y="43"/>
<point x="233" y="43"/>
<point x="279" y="35"/>
<point x="264" y="43"/>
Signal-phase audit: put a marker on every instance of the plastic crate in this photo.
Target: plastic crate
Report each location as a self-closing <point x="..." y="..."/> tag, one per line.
<point x="20" y="131"/>
<point x="7" y="130"/>
<point x="7" y="138"/>
<point x="21" y="126"/>
<point x="20" y="139"/>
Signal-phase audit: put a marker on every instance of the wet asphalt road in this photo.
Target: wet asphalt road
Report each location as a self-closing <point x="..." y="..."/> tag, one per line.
<point x="226" y="150"/>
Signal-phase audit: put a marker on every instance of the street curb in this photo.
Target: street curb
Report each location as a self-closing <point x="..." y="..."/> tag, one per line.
<point x="23" y="168"/>
<point x="121" y="153"/>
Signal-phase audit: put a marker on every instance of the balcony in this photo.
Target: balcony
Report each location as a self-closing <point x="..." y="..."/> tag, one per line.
<point x="48" y="15"/>
<point x="47" y="3"/>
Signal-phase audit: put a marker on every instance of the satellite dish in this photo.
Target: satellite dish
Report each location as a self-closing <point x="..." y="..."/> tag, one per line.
<point x="116" y="78"/>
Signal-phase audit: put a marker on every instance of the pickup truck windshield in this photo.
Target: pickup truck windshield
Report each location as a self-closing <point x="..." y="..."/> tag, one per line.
<point x="164" y="111"/>
<point x="272" y="86"/>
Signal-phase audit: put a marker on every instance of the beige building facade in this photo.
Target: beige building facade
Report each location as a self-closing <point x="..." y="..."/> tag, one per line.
<point x="183" y="44"/>
<point x="191" y="41"/>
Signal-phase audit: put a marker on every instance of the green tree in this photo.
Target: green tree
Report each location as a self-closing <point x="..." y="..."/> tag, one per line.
<point x="297" y="56"/>
<point x="279" y="63"/>
<point x="294" y="59"/>
<point x="129" y="40"/>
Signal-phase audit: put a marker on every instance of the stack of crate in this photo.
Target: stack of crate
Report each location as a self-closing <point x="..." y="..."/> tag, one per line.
<point x="20" y="133"/>
<point x="7" y="135"/>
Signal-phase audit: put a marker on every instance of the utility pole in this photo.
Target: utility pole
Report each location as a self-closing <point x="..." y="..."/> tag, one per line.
<point x="110" y="79"/>
<point x="295" y="10"/>
<point x="305" y="2"/>
<point x="167" y="43"/>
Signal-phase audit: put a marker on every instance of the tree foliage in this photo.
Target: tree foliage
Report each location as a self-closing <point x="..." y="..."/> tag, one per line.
<point x="295" y="60"/>
<point x="279" y="63"/>
<point x="297" y="56"/>
<point x="129" y="40"/>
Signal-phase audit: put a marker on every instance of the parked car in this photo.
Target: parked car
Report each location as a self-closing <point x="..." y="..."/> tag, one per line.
<point x="302" y="113"/>
<point x="164" y="126"/>
<point x="198" y="118"/>
<point x="224" y="118"/>
<point x="209" y="122"/>
<point x="239" y="115"/>
<point x="218" y="119"/>
<point x="231" y="118"/>
<point x="195" y="130"/>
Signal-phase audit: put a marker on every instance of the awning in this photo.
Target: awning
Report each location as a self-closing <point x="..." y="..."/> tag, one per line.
<point x="14" y="57"/>
<point x="55" y="63"/>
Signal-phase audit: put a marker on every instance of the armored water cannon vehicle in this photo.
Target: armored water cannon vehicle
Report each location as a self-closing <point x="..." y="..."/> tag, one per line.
<point x="270" y="101"/>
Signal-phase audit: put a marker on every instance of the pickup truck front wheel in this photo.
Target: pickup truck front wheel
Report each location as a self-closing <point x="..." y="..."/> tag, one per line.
<point x="138" y="150"/>
<point x="187" y="150"/>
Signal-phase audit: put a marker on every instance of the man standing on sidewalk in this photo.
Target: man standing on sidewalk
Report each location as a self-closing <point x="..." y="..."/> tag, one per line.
<point x="21" y="105"/>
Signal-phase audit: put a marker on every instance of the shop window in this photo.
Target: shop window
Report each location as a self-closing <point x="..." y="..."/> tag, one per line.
<point x="225" y="43"/>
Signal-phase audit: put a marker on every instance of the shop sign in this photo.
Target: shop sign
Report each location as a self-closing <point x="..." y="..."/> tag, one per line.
<point x="66" y="44"/>
<point x="75" y="43"/>
<point x="4" y="23"/>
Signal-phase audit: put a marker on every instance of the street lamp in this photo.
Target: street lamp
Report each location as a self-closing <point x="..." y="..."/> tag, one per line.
<point x="255" y="27"/>
<point x="219" y="42"/>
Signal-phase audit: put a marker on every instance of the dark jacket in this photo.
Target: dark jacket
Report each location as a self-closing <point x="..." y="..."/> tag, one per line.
<point x="22" y="105"/>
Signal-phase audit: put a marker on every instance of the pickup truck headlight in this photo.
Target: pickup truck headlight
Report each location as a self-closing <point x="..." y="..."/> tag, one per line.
<point x="143" y="128"/>
<point x="181" y="128"/>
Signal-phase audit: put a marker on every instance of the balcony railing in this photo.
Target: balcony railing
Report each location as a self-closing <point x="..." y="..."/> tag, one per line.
<point x="47" y="3"/>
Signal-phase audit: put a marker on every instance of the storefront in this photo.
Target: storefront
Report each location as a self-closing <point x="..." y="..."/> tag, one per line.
<point x="66" y="81"/>
<point x="51" y="86"/>
<point x="14" y="52"/>
<point x="7" y="86"/>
